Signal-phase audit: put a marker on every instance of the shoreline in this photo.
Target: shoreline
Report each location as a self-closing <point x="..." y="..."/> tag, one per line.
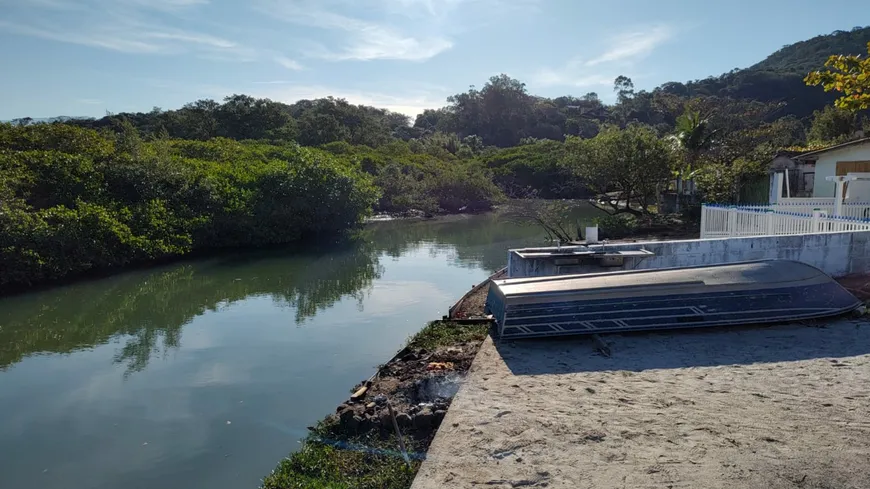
<point x="208" y="253"/>
<point x="358" y="443"/>
<point x="357" y="446"/>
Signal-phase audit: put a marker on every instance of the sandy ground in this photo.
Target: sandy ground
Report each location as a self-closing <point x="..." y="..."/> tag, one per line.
<point x="739" y="408"/>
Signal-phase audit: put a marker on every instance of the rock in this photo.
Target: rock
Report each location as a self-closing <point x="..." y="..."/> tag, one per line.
<point x="342" y="407"/>
<point x="439" y="415"/>
<point x="386" y="420"/>
<point x="404" y="420"/>
<point x="413" y="410"/>
<point x="410" y="357"/>
<point x="346" y="413"/>
<point x="349" y="419"/>
<point x="423" y="419"/>
<point x="380" y="399"/>
<point x="370" y="406"/>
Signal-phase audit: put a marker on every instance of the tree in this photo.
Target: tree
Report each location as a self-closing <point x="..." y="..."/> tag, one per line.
<point x="501" y="113"/>
<point x="693" y="138"/>
<point x="623" y="167"/>
<point x="832" y="125"/>
<point x="849" y="75"/>
<point x="624" y="88"/>
<point x="246" y="117"/>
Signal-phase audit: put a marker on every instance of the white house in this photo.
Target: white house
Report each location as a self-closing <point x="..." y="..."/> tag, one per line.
<point x="837" y="160"/>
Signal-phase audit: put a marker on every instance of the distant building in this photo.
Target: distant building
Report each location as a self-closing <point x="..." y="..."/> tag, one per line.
<point x="801" y="174"/>
<point x="836" y="160"/>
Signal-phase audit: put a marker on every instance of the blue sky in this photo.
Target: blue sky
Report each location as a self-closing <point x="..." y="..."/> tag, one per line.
<point x="86" y="57"/>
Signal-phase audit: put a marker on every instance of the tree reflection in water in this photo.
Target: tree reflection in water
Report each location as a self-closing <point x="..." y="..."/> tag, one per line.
<point x="146" y="310"/>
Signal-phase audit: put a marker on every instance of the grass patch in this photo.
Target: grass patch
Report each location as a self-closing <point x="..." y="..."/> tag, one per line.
<point x="439" y="333"/>
<point x="330" y="460"/>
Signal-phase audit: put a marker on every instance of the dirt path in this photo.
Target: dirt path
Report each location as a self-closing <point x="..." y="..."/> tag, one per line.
<point x="775" y="407"/>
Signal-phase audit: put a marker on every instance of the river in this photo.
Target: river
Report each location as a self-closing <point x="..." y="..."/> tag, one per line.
<point x="205" y="373"/>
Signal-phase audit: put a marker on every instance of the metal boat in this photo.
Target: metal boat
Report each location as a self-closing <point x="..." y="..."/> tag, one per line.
<point x="729" y="294"/>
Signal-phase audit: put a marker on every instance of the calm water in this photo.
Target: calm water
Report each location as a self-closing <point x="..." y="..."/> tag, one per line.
<point x="206" y="373"/>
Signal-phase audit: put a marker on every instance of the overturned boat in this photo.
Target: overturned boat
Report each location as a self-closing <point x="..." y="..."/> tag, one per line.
<point x="739" y="293"/>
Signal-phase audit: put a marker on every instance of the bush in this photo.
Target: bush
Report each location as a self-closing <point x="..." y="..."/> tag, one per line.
<point x="71" y="201"/>
<point x="616" y="226"/>
<point x="534" y="169"/>
<point x="420" y="181"/>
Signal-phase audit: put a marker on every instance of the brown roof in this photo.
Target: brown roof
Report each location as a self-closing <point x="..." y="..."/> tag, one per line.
<point x="831" y="148"/>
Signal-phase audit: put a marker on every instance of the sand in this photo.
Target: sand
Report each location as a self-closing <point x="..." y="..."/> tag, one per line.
<point x="745" y="408"/>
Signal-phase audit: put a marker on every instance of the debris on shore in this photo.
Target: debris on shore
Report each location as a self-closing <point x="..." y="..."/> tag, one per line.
<point x="419" y="383"/>
<point x="357" y="446"/>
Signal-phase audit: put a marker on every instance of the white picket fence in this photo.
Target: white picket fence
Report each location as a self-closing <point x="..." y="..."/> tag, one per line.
<point x="859" y="210"/>
<point x="722" y="221"/>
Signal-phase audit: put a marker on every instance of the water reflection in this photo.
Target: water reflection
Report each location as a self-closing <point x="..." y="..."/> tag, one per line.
<point x="149" y="308"/>
<point x="146" y="310"/>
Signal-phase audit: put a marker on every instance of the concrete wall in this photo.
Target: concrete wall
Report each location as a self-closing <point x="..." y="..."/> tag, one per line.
<point x="826" y="166"/>
<point x="837" y="254"/>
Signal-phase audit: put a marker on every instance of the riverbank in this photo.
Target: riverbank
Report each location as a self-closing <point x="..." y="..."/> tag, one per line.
<point x="358" y="447"/>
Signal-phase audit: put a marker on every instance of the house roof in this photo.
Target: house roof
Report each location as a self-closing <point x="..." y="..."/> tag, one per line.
<point x="811" y="154"/>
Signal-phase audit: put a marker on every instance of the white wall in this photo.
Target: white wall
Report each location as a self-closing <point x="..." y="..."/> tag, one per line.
<point x="837" y="254"/>
<point x="826" y="166"/>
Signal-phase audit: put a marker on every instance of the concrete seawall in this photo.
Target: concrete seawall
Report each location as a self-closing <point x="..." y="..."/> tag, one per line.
<point x="837" y="254"/>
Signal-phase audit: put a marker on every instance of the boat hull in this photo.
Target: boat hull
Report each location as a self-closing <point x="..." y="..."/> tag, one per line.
<point x="733" y="294"/>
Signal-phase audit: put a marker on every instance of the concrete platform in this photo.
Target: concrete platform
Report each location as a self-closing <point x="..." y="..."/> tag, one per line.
<point x="738" y="408"/>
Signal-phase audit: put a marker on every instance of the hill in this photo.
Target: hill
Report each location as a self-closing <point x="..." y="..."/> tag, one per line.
<point x="779" y="77"/>
<point x="810" y="55"/>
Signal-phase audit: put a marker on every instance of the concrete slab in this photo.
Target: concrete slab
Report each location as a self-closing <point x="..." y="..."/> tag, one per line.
<point x="738" y="408"/>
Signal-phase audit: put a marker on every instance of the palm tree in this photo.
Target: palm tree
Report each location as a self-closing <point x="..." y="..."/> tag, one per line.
<point x="693" y="137"/>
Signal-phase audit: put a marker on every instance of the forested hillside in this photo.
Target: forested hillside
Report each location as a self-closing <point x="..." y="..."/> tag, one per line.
<point x="804" y="56"/>
<point x="779" y="77"/>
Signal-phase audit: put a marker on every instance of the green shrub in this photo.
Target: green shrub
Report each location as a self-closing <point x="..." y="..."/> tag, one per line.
<point x="616" y="226"/>
<point x="70" y="202"/>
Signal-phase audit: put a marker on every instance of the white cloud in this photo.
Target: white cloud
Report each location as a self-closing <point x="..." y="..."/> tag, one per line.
<point x="623" y="49"/>
<point x="415" y="8"/>
<point x="410" y="103"/>
<point x="106" y="40"/>
<point x="193" y="38"/>
<point x="272" y="82"/>
<point x="633" y="45"/>
<point x="573" y="74"/>
<point x="118" y="25"/>
<point x="376" y="42"/>
<point x="288" y="63"/>
<point x="363" y="40"/>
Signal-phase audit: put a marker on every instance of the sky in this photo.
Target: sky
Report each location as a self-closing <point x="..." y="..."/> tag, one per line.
<point x="87" y="57"/>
